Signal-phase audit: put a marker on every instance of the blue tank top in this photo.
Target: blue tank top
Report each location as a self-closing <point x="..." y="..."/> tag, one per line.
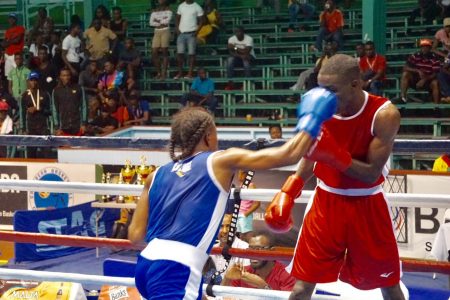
<point x="186" y="202"/>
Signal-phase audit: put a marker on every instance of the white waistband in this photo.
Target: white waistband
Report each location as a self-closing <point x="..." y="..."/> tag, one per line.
<point x="182" y="253"/>
<point x="351" y="192"/>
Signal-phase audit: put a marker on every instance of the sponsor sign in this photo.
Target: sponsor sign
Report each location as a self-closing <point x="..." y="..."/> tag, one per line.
<point x="82" y="220"/>
<point x="12" y="200"/>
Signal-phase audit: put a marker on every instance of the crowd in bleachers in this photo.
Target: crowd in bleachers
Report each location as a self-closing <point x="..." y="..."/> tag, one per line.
<point x="87" y="79"/>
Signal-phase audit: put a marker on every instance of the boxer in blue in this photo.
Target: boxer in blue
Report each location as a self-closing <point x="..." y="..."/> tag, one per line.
<point x="183" y="202"/>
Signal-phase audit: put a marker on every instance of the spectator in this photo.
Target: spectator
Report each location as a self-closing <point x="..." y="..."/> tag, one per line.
<point x="187" y="22"/>
<point x="444" y="82"/>
<point x="68" y="102"/>
<point x="248" y="207"/>
<point x="12" y="103"/>
<point x="264" y="274"/>
<point x="331" y="25"/>
<point x="294" y="7"/>
<point x="373" y="69"/>
<point x="218" y="259"/>
<point x="89" y="81"/>
<point x="6" y="125"/>
<point x="420" y="72"/>
<point x="71" y="50"/>
<point x="442" y="36"/>
<point x="138" y="110"/>
<point x="427" y="9"/>
<point x="202" y="92"/>
<point x="3" y="79"/>
<point x="102" y="13"/>
<point x="130" y="59"/>
<point x="444" y="5"/>
<point x="36" y="104"/>
<point x="43" y="26"/>
<point x="104" y="123"/>
<point x="160" y="19"/>
<point x="13" y="42"/>
<point x="273" y="4"/>
<point x="275" y="132"/>
<point x="55" y="50"/>
<point x="48" y="74"/>
<point x="100" y="41"/>
<point x="308" y="78"/>
<point x="34" y="50"/>
<point x="118" y="111"/>
<point x="209" y="32"/>
<point x="17" y="77"/>
<point x="360" y="51"/>
<point x="119" y="26"/>
<point x="75" y="19"/>
<point x="240" y="47"/>
<point x="112" y="78"/>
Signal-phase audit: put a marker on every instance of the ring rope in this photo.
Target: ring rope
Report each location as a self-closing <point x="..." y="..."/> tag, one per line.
<point x="408" y="264"/>
<point x="128" y="281"/>
<point x="400" y="145"/>
<point x="263" y="195"/>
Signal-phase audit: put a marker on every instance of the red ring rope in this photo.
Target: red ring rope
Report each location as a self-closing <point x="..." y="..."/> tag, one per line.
<point x="408" y="264"/>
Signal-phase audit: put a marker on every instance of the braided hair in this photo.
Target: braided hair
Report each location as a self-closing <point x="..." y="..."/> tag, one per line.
<point x="188" y="128"/>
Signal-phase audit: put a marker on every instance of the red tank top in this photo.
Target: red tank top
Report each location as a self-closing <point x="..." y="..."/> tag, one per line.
<point x="354" y="133"/>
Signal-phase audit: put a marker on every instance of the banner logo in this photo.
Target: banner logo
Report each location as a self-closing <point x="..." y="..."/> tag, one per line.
<point x="48" y="199"/>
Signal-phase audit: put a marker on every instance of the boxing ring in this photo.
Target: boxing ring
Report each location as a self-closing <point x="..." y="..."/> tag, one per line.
<point x="264" y="195"/>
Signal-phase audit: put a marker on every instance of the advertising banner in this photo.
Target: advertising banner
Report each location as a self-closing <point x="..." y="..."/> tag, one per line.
<point x="82" y="220"/>
<point x="12" y="200"/>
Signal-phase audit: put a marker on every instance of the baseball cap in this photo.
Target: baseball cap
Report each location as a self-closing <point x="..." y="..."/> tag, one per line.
<point x="446" y="22"/>
<point x="33" y="75"/>
<point x="4" y="105"/>
<point x="13" y="15"/>
<point x="425" y="42"/>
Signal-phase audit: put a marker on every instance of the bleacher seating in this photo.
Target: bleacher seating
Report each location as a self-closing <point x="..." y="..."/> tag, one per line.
<point x="281" y="56"/>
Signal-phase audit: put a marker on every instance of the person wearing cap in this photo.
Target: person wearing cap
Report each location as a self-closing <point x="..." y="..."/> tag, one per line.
<point x="420" y="72"/>
<point x="442" y="37"/>
<point x="17" y="77"/>
<point x="6" y="125"/>
<point x="36" y="105"/>
<point x="13" y="42"/>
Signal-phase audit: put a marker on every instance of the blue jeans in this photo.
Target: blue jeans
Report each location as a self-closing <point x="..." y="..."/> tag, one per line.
<point x="294" y="9"/>
<point x="375" y="88"/>
<point x="231" y="63"/>
<point x="444" y="83"/>
<point x="324" y="34"/>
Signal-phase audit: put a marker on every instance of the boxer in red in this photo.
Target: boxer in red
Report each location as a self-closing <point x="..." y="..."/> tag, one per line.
<point x="347" y="231"/>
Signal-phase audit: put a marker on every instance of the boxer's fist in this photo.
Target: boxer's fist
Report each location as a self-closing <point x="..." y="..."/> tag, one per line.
<point x="317" y="106"/>
<point x="326" y="150"/>
<point x="278" y="213"/>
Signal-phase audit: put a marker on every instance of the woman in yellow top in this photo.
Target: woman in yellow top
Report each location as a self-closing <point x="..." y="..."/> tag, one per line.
<point x="210" y="30"/>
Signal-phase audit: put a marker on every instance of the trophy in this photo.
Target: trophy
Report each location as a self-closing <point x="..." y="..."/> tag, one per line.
<point x="108" y="181"/>
<point x="121" y="198"/>
<point x="143" y="171"/>
<point x="128" y="172"/>
<point x="103" y="181"/>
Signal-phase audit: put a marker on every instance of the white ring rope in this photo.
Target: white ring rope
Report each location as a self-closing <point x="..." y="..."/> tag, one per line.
<point x="264" y="195"/>
<point x="128" y="281"/>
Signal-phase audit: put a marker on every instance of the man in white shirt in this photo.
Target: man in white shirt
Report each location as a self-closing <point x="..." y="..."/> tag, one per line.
<point x="219" y="260"/>
<point x="71" y="50"/>
<point x="240" y="47"/>
<point x="187" y="23"/>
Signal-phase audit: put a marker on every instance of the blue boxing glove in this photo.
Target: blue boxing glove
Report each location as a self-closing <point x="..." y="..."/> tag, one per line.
<point x="317" y="106"/>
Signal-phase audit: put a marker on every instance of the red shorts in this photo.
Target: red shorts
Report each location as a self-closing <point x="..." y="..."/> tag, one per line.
<point x="350" y="238"/>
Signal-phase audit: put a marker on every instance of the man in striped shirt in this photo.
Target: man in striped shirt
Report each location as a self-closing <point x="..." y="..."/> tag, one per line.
<point x="420" y="72"/>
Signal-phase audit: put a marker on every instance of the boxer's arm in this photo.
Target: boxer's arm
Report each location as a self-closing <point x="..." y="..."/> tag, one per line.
<point x="386" y="126"/>
<point x="305" y="169"/>
<point x="138" y="226"/>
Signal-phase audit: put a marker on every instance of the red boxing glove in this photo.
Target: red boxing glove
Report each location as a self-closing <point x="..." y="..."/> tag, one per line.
<point x="278" y="213"/>
<point x="326" y="150"/>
